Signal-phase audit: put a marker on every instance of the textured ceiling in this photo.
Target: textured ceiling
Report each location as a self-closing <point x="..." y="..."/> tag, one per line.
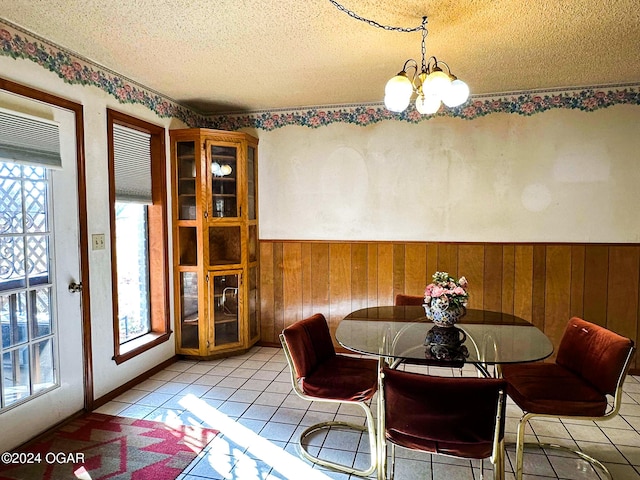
<point x="247" y="55"/>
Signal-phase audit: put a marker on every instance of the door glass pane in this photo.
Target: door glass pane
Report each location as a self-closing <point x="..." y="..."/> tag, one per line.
<point x="10" y="203"/>
<point x="224" y="171"/>
<point x="28" y="347"/>
<point x="35" y="201"/>
<point x="43" y="375"/>
<point x="189" y="310"/>
<point x="12" y="264"/>
<point x="15" y="375"/>
<point x="13" y="316"/>
<point x="225" y="309"/>
<point x="40" y="304"/>
<point x="38" y="259"/>
<point x="186" y="173"/>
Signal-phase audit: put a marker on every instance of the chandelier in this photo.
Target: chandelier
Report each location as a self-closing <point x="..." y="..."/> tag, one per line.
<point x="431" y="85"/>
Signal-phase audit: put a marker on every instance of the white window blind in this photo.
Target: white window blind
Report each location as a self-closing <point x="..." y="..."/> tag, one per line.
<point x="132" y="164"/>
<point x="29" y="140"/>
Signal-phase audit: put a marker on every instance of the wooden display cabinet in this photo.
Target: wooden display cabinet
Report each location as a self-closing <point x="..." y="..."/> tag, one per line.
<point x="215" y="241"/>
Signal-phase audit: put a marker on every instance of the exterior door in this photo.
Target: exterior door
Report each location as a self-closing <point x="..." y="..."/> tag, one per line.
<point x="42" y="379"/>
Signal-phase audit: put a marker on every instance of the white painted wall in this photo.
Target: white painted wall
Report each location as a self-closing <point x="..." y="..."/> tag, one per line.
<point x="107" y="375"/>
<point x="558" y="176"/>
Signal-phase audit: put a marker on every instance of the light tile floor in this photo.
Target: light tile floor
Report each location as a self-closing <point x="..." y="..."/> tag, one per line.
<point x="249" y="400"/>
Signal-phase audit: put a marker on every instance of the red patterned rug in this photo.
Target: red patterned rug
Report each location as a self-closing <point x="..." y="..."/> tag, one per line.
<point x="96" y="446"/>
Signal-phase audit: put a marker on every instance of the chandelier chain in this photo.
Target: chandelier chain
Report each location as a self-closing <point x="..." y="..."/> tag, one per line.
<point x="373" y="23"/>
<point x="424" y="46"/>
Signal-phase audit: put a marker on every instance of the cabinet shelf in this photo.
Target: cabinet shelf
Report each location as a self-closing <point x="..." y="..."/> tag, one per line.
<point x="225" y="262"/>
<point x="224" y="320"/>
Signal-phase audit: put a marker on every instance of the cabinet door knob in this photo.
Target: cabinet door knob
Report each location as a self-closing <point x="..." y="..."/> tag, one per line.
<point x="75" y="287"/>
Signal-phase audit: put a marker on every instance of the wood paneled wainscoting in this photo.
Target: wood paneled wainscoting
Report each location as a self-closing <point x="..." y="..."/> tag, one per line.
<point x="543" y="283"/>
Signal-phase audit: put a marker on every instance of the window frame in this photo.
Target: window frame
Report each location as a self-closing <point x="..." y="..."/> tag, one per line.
<point x="157" y="223"/>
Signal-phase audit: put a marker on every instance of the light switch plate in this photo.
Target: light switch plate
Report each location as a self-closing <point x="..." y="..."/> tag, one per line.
<point x="97" y="240"/>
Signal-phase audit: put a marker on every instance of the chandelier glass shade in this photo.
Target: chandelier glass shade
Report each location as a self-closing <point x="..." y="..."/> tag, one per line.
<point x="431" y="85"/>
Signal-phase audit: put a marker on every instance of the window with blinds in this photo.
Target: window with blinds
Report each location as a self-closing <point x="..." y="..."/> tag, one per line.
<point x="133" y="193"/>
<point x="132" y="165"/>
<point x="139" y="227"/>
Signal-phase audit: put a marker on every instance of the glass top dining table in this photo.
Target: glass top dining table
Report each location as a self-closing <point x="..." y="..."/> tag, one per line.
<point x="403" y="333"/>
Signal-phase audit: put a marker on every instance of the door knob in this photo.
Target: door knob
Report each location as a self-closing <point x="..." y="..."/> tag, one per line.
<point x="75" y="287"/>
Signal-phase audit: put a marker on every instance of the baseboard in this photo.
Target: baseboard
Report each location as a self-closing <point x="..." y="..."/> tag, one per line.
<point x="98" y="402"/>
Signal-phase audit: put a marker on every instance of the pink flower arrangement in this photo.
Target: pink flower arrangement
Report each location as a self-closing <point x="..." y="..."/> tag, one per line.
<point x="446" y="291"/>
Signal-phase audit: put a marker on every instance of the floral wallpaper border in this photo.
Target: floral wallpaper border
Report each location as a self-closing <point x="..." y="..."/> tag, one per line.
<point x="17" y="43"/>
<point x="523" y="103"/>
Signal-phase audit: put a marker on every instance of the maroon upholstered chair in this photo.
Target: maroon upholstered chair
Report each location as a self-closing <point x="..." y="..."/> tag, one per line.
<point x="403" y="300"/>
<point x="590" y="367"/>
<point x="458" y="417"/>
<point x="318" y="374"/>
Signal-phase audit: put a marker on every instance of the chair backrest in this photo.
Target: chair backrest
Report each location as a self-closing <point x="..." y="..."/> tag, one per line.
<point x="595" y="353"/>
<point x="406" y="300"/>
<point x="459" y="416"/>
<point x="309" y="343"/>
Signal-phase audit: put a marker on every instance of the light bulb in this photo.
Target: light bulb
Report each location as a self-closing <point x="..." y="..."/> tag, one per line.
<point x="438" y="82"/>
<point x="398" y="93"/>
<point x="427" y="104"/>
<point x="457" y="94"/>
<point x="395" y="104"/>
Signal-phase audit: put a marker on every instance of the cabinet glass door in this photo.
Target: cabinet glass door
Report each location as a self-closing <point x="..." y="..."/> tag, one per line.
<point x="189" y="310"/>
<point x="225" y="308"/>
<point x="251" y="182"/>
<point x="253" y="243"/>
<point x="253" y="302"/>
<point x="186" y="174"/>
<point x="223" y="173"/>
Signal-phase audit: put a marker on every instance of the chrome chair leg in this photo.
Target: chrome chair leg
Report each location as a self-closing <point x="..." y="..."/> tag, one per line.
<point x="588" y="458"/>
<point x="520" y="447"/>
<point x="498" y="463"/>
<point x="393" y="461"/>
<point x="370" y="428"/>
